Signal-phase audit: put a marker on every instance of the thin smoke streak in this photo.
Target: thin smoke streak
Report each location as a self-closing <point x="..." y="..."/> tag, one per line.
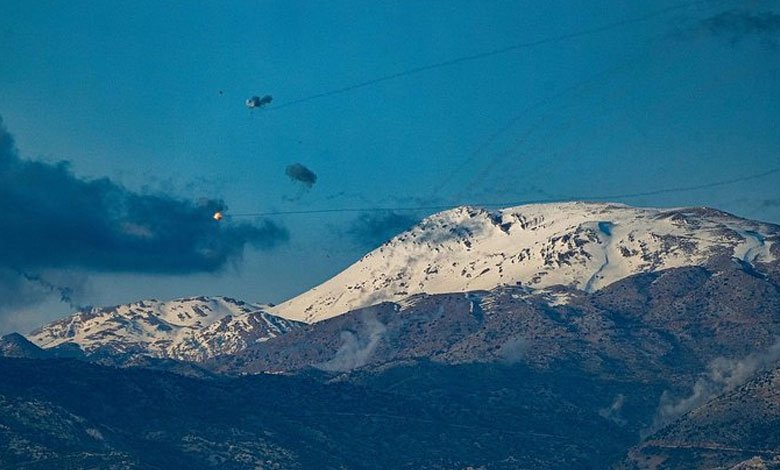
<point x="517" y="152"/>
<point x="491" y="53"/>
<point x="516" y="147"/>
<point x="654" y="192"/>
<point x="520" y="116"/>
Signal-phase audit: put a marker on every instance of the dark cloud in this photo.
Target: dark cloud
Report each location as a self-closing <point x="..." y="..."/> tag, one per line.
<point x="257" y="102"/>
<point x="64" y="291"/>
<point x="737" y="24"/>
<point x="298" y="172"/>
<point x="371" y="229"/>
<point x="16" y="291"/>
<point x="54" y="219"/>
<point x="20" y="291"/>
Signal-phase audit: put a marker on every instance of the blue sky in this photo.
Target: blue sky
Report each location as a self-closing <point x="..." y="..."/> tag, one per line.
<point x="150" y="95"/>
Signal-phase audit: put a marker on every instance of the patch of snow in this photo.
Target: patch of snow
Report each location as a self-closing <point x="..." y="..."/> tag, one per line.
<point x="583" y="245"/>
<point x="753" y="247"/>
<point x="193" y="328"/>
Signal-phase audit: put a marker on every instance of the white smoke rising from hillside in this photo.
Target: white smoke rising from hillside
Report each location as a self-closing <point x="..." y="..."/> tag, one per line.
<point x="612" y="412"/>
<point x="513" y="351"/>
<point x="723" y="375"/>
<point x="356" y="349"/>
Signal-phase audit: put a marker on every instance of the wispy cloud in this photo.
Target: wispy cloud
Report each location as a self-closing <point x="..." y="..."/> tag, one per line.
<point x="722" y="375"/>
<point x="613" y="411"/>
<point x="371" y="229"/>
<point x="736" y="25"/>
<point x="356" y="346"/>
<point x="513" y="351"/>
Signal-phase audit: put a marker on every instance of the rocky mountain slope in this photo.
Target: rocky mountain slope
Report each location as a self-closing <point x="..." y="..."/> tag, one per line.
<point x="69" y="414"/>
<point x="582" y="245"/>
<point x="190" y="329"/>
<point x="490" y="415"/>
<point x="16" y="345"/>
<point x="600" y="336"/>
<point x="740" y="428"/>
<point x="549" y="251"/>
<point x="662" y="324"/>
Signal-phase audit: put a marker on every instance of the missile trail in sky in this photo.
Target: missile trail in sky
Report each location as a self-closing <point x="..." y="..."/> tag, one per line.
<point x="654" y="192"/>
<point x="491" y="53"/>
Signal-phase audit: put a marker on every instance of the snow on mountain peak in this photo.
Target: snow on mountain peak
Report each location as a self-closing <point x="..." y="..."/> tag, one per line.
<point x="579" y="244"/>
<point x="192" y="328"/>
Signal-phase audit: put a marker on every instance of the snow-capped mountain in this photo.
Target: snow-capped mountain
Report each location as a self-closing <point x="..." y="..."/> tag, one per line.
<point x="188" y="329"/>
<point x="582" y="245"/>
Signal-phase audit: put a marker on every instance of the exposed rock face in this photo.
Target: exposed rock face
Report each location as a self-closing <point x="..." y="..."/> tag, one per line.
<point x="563" y="336"/>
<point x="649" y="326"/>
<point x="738" y="429"/>
<point x="586" y="246"/>
<point x="191" y="329"/>
<point x="16" y="345"/>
